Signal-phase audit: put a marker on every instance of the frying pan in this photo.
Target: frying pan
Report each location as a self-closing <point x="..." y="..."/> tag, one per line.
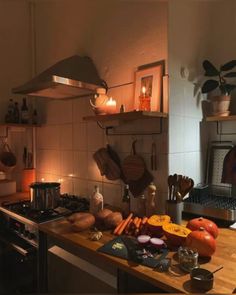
<point x="133" y="166"/>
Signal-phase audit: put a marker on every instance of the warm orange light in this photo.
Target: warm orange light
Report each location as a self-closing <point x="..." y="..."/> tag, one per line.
<point x="144" y="90"/>
<point x="111" y="106"/>
<point x="28" y="177"/>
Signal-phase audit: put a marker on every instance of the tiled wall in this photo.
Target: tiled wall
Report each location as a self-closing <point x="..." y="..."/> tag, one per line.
<point x="127" y="34"/>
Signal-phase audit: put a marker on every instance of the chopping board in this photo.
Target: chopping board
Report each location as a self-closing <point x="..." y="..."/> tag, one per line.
<point x="117" y="247"/>
<point x="229" y="167"/>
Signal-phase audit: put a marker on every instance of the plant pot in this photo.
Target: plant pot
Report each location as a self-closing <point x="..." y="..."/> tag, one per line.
<point x="220" y="105"/>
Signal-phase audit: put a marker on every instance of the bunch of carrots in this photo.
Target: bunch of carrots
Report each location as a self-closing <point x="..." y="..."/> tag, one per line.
<point x="131" y="226"/>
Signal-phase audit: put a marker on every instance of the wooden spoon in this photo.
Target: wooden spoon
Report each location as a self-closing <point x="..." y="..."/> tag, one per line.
<point x="170" y="181"/>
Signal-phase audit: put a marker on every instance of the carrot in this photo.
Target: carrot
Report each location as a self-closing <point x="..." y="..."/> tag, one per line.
<point x="138" y="226"/>
<point x="128" y="226"/>
<point x="123" y="226"/>
<point x="135" y="220"/>
<point x="118" y="227"/>
<point x="144" y="220"/>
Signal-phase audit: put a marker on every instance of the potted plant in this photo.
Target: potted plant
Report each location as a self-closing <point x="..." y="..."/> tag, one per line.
<point x="221" y="102"/>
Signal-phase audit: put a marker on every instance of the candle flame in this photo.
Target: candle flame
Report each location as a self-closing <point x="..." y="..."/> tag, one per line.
<point x="144" y="90"/>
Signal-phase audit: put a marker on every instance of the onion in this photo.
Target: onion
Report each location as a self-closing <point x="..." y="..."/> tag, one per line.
<point x="143" y="239"/>
<point x="157" y="243"/>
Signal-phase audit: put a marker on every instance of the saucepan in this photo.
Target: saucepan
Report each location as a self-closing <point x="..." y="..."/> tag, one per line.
<point x="44" y="195"/>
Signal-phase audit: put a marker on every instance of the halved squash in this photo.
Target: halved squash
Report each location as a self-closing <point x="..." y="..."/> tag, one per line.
<point x="155" y="223"/>
<point x="176" y="234"/>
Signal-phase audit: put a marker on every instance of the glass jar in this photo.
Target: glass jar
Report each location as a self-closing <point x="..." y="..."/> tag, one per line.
<point x="188" y="258"/>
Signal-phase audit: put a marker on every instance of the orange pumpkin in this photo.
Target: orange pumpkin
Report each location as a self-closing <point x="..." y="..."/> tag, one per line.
<point x="210" y="226"/>
<point x="201" y="241"/>
<point x="176" y="234"/>
<point x="155" y="223"/>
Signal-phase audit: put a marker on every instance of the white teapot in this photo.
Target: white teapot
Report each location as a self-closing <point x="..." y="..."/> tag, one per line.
<point x="99" y="105"/>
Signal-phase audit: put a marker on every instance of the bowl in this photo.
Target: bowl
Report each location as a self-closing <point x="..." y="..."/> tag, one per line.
<point x="201" y="279"/>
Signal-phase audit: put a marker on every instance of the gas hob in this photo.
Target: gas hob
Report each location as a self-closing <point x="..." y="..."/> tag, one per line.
<point x="68" y="204"/>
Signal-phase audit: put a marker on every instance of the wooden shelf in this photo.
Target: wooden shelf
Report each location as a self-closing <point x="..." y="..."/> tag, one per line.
<point x="220" y="118"/>
<point x="18" y="125"/>
<point x="127" y="116"/>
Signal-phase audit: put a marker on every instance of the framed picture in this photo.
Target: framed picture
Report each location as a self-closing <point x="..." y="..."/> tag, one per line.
<point x="149" y="82"/>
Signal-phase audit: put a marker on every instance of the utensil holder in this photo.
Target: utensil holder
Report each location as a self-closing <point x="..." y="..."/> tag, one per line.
<point x="174" y="210"/>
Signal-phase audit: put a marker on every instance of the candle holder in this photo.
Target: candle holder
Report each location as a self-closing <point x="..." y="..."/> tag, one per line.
<point x="110" y="106"/>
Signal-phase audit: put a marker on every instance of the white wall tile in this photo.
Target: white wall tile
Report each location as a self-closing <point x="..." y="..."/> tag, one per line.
<point x="67" y="161"/>
<point x="112" y="194"/>
<point x="93" y="171"/>
<point x="176" y="163"/>
<point x="67" y="185"/>
<point x="176" y="134"/>
<point x="48" y="137"/>
<point x="66" y="137"/>
<point x="80" y="187"/>
<point x="95" y="137"/>
<point x="80" y="136"/>
<point x="79" y="109"/>
<point x="80" y="164"/>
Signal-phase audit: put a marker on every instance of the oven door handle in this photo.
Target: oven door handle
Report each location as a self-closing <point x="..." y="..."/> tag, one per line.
<point x="24" y="252"/>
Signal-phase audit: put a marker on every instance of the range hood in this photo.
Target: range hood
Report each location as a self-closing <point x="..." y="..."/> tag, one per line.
<point x="75" y="76"/>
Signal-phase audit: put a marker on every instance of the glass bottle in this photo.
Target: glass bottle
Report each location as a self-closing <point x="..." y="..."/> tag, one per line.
<point x="126" y="202"/>
<point x="96" y="201"/>
<point x="16" y="113"/>
<point x="24" y="112"/>
<point x="9" y="118"/>
<point x="141" y="206"/>
<point x="35" y="117"/>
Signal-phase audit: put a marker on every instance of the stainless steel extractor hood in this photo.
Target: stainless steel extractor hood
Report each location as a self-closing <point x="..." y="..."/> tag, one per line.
<point x="75" y="76"/>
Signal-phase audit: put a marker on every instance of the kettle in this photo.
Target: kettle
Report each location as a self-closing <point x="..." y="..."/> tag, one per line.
<point x="100" y="101"/>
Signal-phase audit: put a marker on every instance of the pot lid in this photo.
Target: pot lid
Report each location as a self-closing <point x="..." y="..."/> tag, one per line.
<point x="44" y="185"/>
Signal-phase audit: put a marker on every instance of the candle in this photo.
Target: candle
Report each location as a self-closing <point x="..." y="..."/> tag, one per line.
<point x="144" y="91"/>
<point x="111" y="106"/>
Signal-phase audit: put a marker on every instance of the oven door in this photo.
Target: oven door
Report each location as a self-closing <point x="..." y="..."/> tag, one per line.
<point x="18" y="265"/>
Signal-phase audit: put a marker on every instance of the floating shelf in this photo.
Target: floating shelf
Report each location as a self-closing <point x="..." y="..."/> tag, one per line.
<point x="127" y="116"/>
<point x="220" y="118"/>
<point x="19" y="125"/>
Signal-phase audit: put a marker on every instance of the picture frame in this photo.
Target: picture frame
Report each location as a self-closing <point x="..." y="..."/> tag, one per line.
<point x="150" y="76"/>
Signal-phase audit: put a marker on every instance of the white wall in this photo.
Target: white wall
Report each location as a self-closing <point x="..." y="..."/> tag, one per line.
<point x="119" y="36"/>
<point x="189" y="41"/>
<point x="15" y="65"/>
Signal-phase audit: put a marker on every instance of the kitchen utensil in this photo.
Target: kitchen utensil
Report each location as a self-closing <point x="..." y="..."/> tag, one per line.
<point x="210" y="273"/>
<point x="175" y="185"/>
<point x="25" y="157"/>
<point x="170" y="185"/>
<point x="44" y="195"/>
<point x="133" y="166"/>
<point x="106" y="165"/>
<point x="174" y="210"/>
<point x="137" y="187"/>
<point x="154" y="157"/>
<point x="7" y="159"/>
<point x="201" y="279"/>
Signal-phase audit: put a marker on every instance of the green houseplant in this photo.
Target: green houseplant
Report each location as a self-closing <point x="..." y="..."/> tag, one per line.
<point x="221" y="102"/>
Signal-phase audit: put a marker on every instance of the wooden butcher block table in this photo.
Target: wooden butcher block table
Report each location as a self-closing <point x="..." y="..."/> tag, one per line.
<point x="174" y="281"/>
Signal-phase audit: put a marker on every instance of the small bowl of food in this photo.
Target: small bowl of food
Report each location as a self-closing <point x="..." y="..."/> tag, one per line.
<point x="201" y="279"/>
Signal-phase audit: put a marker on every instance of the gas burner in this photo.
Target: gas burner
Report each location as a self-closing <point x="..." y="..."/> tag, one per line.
<point x="68" y="204"/>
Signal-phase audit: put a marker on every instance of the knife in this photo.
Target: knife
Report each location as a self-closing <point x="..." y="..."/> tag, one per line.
<point x="131" y="247"/>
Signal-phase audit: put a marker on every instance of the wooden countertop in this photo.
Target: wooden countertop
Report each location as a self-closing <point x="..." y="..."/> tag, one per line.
<point x="174" y="281"/>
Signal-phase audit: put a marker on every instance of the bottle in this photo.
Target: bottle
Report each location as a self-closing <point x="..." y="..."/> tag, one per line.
<point x="35" y="117"/>
<point x="24" y="112"/>
<point x="126" y="202"/>
<point x="150" y="201"/>
<point x="96" y="201"/>
<point x="141" y="206"/>
<point x="16" y="113"/>
<point x="9" y="118"/>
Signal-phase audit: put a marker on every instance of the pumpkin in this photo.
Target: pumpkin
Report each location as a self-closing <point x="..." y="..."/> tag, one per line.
<point x="209" y="225"/>
<point x="155" y="223"/>
<point x="176" y="234"/>
<point x="201" y="241"/>
<point x="81" y="221"/>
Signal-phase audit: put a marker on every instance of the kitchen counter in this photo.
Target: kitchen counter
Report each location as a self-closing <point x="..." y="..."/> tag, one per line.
<point x="175" y="281"/>
<point x="14" y="198"/>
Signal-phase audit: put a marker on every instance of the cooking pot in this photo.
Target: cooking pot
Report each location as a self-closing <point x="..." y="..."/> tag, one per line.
<point x="44" y="195"/>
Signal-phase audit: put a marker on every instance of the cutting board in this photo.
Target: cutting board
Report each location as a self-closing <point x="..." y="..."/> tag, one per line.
<point x="116" y="247"/>
<point x="7" y="187"/>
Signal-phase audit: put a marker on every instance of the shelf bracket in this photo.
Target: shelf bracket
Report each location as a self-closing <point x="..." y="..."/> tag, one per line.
<point x="109" y="128"/>
<point x="219" y="129"/>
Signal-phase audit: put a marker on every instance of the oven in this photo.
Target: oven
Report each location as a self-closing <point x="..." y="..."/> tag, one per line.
<point x="23" y="248"/>
<point x="18" y="256"/>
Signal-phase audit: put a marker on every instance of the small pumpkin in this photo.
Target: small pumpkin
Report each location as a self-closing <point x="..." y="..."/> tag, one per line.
<point x="100" y="216"/>
<point x="201" y="241"/>
<point x="112" y="220"/>
<point x="210" y="226"/>
<point x="176" y="234"/>
<point x="155" y="224"/>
